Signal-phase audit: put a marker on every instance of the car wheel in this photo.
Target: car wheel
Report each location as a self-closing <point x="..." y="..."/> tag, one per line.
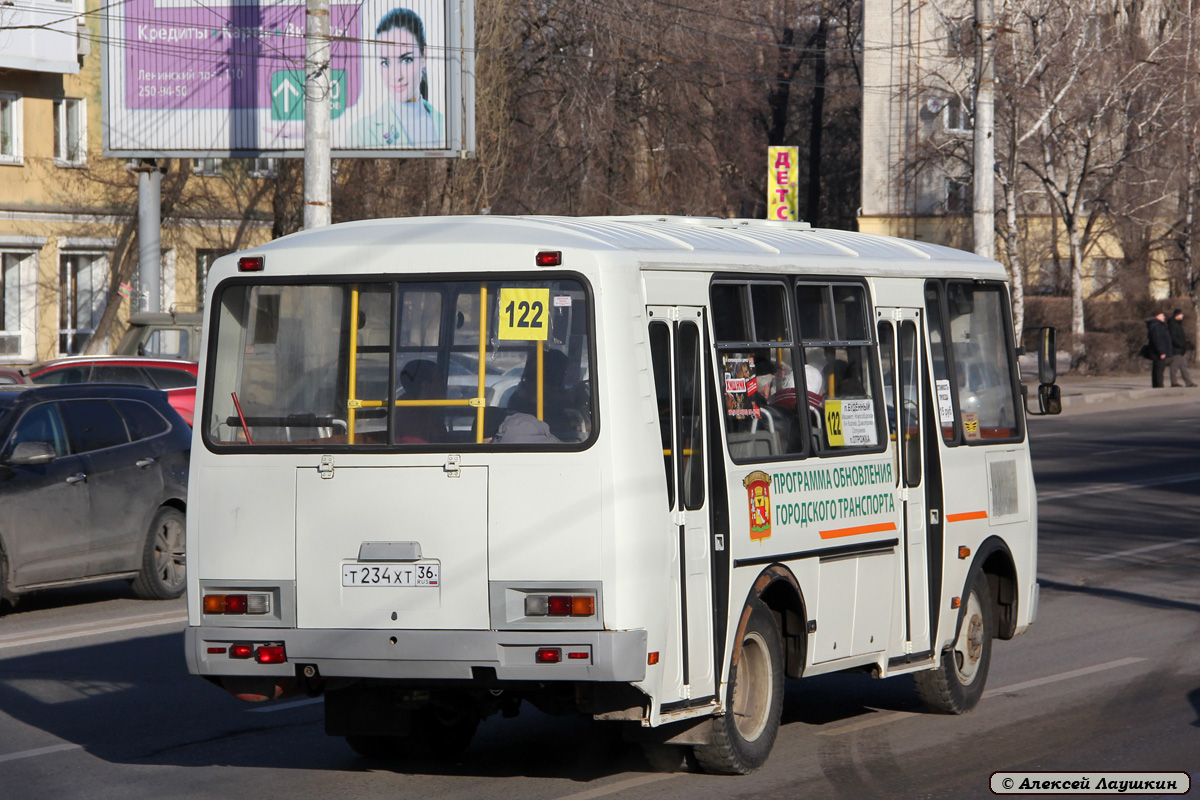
<point x="163" y="576"/>
<point x="956" y="686"/>
<point x="4" y="590"/>
<point x="742" y="737"/>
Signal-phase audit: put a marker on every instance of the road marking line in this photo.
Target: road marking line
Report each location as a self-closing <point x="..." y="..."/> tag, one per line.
<point x="1062" y="676"/>
<point x="1139" y="550"/>
<point x="1105" y="488"/>
<point x="620" y="786"/>
<point x="41" y="751"/>
<point x="79" y="631"/>
<point x="893" y="716"/>
<point x="308" y="701"/>
<point x="1114" y="452"/>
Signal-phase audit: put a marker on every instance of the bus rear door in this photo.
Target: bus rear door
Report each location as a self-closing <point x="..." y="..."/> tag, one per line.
<point x="677" y="346"/>
<point x="901" y="351"/>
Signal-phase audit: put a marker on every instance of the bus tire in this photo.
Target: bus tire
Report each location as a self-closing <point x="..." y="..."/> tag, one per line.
<point x="162" y="575"/>
<point x="742" y="737"/>
<point x="956" y="686"/>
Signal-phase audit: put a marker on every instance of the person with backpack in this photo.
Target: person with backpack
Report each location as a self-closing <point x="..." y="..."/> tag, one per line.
<point x="1158" y="347"/>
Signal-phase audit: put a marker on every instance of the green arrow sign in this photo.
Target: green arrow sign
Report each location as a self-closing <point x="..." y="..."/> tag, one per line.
<point x="287" y="94"/>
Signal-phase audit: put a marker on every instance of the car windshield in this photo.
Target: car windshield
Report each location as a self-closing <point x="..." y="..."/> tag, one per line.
<point x="485" y="363"/>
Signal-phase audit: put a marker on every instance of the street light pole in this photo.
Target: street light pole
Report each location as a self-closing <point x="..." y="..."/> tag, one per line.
<point x="318" y="208"/>
<point x="984" y="137"/>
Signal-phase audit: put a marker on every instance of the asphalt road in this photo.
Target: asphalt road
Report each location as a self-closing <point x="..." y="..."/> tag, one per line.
<point x="95" y="700"/>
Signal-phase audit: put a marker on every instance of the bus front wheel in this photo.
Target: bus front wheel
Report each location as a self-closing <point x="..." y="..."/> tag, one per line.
<point x="742" y="737"/>
<point x="956" y="686"/>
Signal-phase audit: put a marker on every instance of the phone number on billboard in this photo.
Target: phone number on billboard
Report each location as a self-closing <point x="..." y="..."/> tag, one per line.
<point x="162" y="91"/>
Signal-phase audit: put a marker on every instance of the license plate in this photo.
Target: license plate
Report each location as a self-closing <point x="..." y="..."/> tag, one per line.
<point x="390" y="575"/>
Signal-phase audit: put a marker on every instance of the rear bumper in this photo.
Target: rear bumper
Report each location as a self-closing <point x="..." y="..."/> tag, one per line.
<point x="611" y="656"/>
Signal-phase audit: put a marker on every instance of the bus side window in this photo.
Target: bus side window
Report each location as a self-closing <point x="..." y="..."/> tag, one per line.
<point x="982" y="355"/>
<point x="758" y="363"/>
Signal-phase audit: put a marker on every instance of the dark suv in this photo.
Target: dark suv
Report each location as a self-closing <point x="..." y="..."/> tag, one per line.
<point x="93" y="487"/>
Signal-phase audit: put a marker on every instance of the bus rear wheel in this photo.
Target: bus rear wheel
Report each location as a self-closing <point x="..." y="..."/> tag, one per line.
<point x="743" y="736"/>
<point x="956" y="686"/>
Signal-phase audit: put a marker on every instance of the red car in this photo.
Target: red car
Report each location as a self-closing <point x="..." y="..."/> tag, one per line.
<point x="174" y="376"/>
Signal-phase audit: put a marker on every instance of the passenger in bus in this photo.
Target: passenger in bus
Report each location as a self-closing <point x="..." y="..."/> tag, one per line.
<point x="521" y="428"/>
<point x="770" y="398"/>
<point x="559" y="401"/>
<point x="420" y="379"/>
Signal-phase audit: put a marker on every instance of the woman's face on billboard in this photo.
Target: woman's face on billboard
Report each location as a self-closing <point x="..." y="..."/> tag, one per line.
<point x="401" y="63"/>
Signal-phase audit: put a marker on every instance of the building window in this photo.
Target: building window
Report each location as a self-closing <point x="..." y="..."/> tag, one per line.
<point x="210" y="167"/>
<point x="83" y="293"/>
<point x="11" y="149"/>
<point x="218" y="167"/>
<point x="261" y="167"/>
<point x="957" y="116"/>
<point x="204" y="262"/>
<point x="70" y="132"/>
<point x="18" y="271"/>
<point x="959" y="195"/>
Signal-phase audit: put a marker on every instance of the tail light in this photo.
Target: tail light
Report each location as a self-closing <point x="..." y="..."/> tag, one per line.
<point x="560" y="605"/>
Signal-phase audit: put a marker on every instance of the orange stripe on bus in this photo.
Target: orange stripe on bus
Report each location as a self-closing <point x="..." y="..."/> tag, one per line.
<point x="834" y="534"/>
<point x="966" y="516"/>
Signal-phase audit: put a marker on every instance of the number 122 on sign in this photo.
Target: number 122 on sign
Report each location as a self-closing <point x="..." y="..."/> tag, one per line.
<point x="524" y="314"/>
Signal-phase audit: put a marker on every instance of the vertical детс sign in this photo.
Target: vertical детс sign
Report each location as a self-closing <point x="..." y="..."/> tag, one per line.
<point x="781" y="182"/>
<point x="226" y="78"/>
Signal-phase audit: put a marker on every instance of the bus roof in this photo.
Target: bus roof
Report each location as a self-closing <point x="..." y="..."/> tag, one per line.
<point x="660" y="242"/>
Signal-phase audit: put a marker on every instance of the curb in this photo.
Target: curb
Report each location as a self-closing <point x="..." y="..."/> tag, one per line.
<point x="1087" y="398"/>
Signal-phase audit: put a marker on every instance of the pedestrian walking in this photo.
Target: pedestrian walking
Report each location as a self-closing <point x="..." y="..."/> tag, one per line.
<point x="1158" y="347"/>
<point x="1177" y="363"/>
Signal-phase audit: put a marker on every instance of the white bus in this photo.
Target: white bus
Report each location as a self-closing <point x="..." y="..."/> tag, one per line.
<point x="638" y="468"/>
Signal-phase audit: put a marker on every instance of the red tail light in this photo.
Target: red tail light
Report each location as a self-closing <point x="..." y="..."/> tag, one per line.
<point x="271" y="654"/>
<point x="548" y="655"/>
<point x="241" y="650"/>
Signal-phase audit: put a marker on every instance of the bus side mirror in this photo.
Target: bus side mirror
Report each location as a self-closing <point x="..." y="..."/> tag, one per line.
<point x="1049" y="399"/>
<point x="1047" y="356"/>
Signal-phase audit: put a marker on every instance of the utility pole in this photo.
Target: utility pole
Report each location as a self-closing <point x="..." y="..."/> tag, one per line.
<point x="149" y="233"/>
<point x="318" y="208"/>
<point x="984" y="139"/>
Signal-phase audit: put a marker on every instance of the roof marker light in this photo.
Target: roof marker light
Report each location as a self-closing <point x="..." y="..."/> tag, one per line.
<point x="549" y="258"/>
<point x="251" y="264"/>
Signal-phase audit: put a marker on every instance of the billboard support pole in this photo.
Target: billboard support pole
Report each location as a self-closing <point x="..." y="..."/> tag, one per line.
<point x="318" y="208"/>
<point x="149" y="233"/>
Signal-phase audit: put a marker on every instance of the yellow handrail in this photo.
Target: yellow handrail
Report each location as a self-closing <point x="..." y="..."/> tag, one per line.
<point x="482" y="356"/>
<point x="352" y="402"/>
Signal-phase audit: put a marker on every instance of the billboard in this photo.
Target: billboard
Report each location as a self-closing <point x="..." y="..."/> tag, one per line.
<point x="782" y="163"/>
<point x="191" y="78"/>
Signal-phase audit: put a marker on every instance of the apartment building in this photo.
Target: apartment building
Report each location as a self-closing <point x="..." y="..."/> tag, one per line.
<point x="68" y="215"/>
<point x="918" y="76"/>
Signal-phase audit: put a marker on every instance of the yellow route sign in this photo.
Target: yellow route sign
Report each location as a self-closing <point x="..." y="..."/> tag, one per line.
<point x="525" y="314"/>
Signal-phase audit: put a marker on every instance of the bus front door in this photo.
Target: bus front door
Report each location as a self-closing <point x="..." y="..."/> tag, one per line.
<point x="900" y="331"/>
<point x="676" y="338"/>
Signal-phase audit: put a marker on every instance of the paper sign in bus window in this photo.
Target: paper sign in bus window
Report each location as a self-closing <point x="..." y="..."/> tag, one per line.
<point x="740" y="385"/>
<point x="945" y="404"/>
<point x="524" y="314"/>
<point x="850" y="423"/>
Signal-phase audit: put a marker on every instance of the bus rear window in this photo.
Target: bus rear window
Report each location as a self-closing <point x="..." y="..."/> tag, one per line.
<point x="405" y="364"/>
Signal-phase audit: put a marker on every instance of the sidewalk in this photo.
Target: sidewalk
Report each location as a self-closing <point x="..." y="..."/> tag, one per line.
<point x="1081" y="390"/>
